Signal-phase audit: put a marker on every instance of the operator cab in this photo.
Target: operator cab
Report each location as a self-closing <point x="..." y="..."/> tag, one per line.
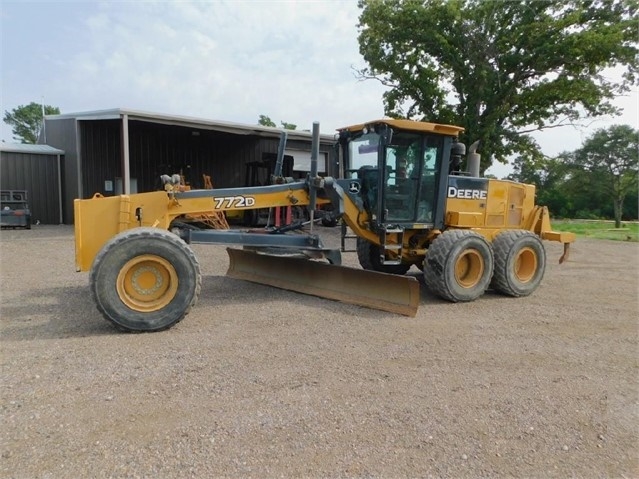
<point x="402" y="168"/>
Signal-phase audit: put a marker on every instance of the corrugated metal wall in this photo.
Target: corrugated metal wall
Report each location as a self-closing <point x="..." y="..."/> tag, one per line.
<point x="62" y="134"/>
<point x="93" y="155"/>
<point x="38" y="174"/>
<point x="156" y="149"/>
<point x="161" y="149"/>
<point x="100" y="153"/>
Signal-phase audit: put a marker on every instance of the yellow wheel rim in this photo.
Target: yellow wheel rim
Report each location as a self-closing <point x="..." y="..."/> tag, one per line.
<point x="147" y="283"/>
<point x="469" y="268"/>
<point x="525" y="264"/>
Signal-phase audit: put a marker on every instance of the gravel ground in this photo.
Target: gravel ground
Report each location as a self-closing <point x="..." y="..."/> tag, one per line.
<point x="259" y="382"/>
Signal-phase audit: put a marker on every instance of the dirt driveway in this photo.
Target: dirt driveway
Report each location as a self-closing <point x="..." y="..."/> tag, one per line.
<point x="259" y="382"/>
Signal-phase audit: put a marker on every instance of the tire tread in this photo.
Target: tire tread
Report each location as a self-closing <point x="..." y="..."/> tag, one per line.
<point x="437" y="257"/>
<point x="149" y="233"/>
<point x="502" y="246"/>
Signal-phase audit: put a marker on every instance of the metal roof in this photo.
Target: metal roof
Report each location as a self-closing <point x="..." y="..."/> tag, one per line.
<point x="411" y="125"/>
<point x="28" y="148"/>
<point x="189" y="122"/>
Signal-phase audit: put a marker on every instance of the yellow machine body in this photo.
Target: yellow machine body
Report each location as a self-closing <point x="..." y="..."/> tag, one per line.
<point x="507" y="205"/>
<point x="483" y="232"/>
<point x="101" y="218"/>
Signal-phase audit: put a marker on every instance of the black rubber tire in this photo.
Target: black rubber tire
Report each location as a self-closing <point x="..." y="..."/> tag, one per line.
<point x="328" y="219"/>
<point x="520" y="262"/>
<point x="182" y="228"/>
<point x="451" y="257"/>
<point x="165" y="253"/>
<point x="368" y="255"/>
<point x="329" y="222"/>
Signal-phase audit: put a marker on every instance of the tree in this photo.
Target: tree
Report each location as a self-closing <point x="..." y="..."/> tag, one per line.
<point x="499" y="69"/>
<point x="578" y="185"/>
<point x="266" y="121"/>
<point x="26" y="120"/>
<point x="550" y="176"/>
<point x="612" y="156"/>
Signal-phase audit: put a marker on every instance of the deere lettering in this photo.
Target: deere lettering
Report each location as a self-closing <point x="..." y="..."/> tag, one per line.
<point x="466" y="194"/>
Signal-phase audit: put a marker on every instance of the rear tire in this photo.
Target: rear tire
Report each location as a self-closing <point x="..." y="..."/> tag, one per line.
<point x="520" y="262"/>
<point x="368" y="255"/>
<point x="145" y="279"/>
<point x="458" y="265"/>
<point x="329" y="222"/>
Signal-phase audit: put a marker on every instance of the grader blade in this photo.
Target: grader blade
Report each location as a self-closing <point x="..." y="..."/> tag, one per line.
<point x="387" y="292"/>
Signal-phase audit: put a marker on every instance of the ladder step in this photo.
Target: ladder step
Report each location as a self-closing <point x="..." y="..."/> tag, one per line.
<point x="347" y="234"/>
<point x="396" y="248"/>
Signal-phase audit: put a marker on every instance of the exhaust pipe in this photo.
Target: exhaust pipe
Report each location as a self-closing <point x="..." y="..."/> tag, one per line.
<point x="315" y="143"/>
<point x="474" y="160"/>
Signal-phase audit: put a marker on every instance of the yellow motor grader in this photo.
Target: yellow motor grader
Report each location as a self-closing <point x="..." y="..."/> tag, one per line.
<point x="401" y="193"/>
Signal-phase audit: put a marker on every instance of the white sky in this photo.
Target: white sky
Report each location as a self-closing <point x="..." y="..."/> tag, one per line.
<point x="223" y="60"/>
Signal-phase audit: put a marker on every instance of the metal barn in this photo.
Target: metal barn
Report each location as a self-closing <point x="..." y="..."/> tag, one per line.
<point x="36" y="169"/>
<point x="125" y="151"/>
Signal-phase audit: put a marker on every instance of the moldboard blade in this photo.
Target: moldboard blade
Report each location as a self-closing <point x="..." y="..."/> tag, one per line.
<point x="387" y="292"/>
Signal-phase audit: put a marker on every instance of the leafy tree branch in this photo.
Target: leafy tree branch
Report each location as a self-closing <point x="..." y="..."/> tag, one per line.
<point x="27" y="120"/>
<point x="499" y="69"/>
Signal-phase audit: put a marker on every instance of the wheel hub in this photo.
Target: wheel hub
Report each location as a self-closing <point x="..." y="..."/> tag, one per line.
<point x="147" y="283"/>
<point x="469" y="268"/>
<point x="525" y="264"/>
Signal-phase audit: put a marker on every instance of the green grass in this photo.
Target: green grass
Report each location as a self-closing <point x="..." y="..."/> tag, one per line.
<point x="629" y="231"/>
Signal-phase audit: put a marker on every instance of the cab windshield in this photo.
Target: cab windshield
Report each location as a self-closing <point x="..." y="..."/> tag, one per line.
<point x="362" y="151"/>
<point x="411" y="175"/>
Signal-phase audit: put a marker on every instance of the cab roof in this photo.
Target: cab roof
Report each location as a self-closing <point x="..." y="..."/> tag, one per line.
<point x="410" y="125"/>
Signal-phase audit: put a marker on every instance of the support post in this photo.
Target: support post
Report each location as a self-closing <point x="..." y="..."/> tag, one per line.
<point x="126" y="173"/>
<point x="313" y="174"/>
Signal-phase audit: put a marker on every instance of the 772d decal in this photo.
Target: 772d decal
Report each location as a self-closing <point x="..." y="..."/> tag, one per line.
<point x="230" y="202"/>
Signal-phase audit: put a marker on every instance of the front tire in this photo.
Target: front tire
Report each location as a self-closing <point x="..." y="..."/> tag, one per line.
<point x="520" y="262"/>
<point x="458" y="265"/>
<point x="369" y="256"/>
<point x="145" y="279"/>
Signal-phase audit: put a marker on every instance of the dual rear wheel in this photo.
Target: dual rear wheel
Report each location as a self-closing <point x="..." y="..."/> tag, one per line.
<point x="461" y="265"/>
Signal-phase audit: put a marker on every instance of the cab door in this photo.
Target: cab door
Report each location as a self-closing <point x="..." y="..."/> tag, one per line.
<point x="411" y="176"/>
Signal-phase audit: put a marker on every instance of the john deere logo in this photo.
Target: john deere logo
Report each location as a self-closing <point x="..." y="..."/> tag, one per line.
<point x="467" y="188"/>
<point x="466" y="194"/>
